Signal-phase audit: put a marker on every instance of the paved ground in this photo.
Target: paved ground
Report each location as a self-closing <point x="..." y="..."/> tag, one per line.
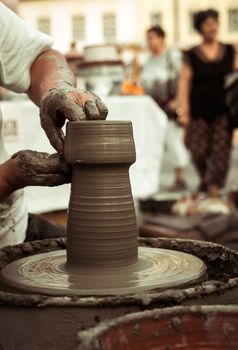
<point x="167" y="176"/>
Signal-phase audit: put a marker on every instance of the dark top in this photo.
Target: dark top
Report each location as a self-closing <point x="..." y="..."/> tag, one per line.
<point x="207" y="97"/>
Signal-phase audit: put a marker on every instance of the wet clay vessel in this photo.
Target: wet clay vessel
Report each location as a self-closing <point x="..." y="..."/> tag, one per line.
<point x="196" y="327"/>
<point x="102" y="248"/>
<point x="101" y="227"/>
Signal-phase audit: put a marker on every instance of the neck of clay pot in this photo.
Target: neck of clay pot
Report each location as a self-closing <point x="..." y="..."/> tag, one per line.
<point x="101" y="230"/>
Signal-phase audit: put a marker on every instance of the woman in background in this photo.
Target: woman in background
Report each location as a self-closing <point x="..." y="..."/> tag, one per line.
<point x="202" y="101"/>
<point x="159" y="78"/>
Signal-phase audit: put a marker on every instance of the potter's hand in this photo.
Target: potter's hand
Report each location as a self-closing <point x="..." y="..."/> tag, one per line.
<point x="40" y="169"/>
<point x="59" y="104"/>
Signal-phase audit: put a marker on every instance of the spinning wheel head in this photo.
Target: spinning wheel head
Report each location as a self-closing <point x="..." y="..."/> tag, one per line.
<point x="102" y="249"/>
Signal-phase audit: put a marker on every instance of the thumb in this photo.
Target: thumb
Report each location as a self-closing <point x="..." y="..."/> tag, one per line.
<point x="54" y="134"/>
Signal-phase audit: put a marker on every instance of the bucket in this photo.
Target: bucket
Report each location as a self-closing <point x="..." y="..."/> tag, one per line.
<point x="196" y="328"/>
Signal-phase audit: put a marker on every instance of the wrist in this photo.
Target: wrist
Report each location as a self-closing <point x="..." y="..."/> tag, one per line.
<point x="58" y="91"/>
<point x="11" y="178"/>
<point x="181" y="111"/>
<point x="49" y="70"/>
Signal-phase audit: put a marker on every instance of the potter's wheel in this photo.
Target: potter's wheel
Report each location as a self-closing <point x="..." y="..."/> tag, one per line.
<point x="156" y="269"/>
<point x="102" y="247"/>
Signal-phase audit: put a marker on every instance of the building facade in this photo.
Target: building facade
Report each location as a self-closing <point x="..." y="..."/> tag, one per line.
<point x="124" y="21"/>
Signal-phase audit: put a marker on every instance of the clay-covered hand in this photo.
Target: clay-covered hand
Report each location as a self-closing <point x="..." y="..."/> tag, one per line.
<point x="40" y="169"/>
<point x="62" y="103"/>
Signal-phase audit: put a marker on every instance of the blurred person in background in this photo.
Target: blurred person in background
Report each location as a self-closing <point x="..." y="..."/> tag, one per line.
<point x="159" y="78"/>
<point x="29" y="64"/>
<point x="202" y="109"/>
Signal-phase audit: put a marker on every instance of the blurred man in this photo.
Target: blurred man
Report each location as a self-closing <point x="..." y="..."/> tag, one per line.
<point x="159" y="78"/>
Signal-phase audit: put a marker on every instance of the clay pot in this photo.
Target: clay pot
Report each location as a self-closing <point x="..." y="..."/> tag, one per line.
<point x="101" y="227"/>
<point x="196" y="327"/>
<point x="37" y="321"/>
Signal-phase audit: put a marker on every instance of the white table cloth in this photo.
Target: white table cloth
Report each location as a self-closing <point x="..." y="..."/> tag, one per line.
<point x="22" y="130"/>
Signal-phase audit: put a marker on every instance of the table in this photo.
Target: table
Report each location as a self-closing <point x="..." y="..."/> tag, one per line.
<point x="22" y="130"/>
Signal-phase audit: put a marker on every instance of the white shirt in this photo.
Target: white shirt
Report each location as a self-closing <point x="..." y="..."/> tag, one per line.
<point x="160" y="74"/>
<point x="19" y="46"/>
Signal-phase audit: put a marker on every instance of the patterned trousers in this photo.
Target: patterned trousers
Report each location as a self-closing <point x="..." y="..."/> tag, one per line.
<point x="210" y="146"/>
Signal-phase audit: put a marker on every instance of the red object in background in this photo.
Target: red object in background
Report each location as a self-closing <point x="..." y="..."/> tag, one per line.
<point x="187" y="328"/>
<point x="131" y="88"/>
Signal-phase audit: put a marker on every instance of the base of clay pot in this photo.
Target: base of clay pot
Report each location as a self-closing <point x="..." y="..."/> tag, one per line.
<point x="156" y="269"/>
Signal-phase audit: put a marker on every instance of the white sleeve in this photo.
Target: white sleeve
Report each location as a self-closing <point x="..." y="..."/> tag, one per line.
<point x="20" y="44"/>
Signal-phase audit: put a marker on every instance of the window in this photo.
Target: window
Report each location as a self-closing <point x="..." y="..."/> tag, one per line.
<point x="156" y="19"/>
<point x="233" y="20"/>
<point x="43" y="24"/>
<point x="109" y="27"/>
<point x="78" y="27"/>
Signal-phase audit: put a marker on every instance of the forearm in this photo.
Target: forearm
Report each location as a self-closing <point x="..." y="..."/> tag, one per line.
<point x="183" y="101"/>
<point x="183" y="98"/>
<point x="49" y="70"/>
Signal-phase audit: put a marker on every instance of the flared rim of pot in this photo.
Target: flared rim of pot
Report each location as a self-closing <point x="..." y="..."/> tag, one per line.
<point x="101" y="142"/>
<point x="214" y="255"/>
<point x="92" y="337"/>
<point x="84" y="123"/>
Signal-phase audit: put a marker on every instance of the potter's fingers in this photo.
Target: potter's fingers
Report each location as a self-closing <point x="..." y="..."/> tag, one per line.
<point x="73" y="111"/>
<point x="54" y="133"/>
<point x="55" y="165"/>
<point x="36" y="164"/>
<point x="57" y="179"/>
<point x="103" y="110"/>
<point x="48" y="180"/>
<point x="30" y="154"/>
<point x="31" y="162"/>
<point x="91" y="110"/>
<point x="56" y="138"/>
<point x="52" y="164"/>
